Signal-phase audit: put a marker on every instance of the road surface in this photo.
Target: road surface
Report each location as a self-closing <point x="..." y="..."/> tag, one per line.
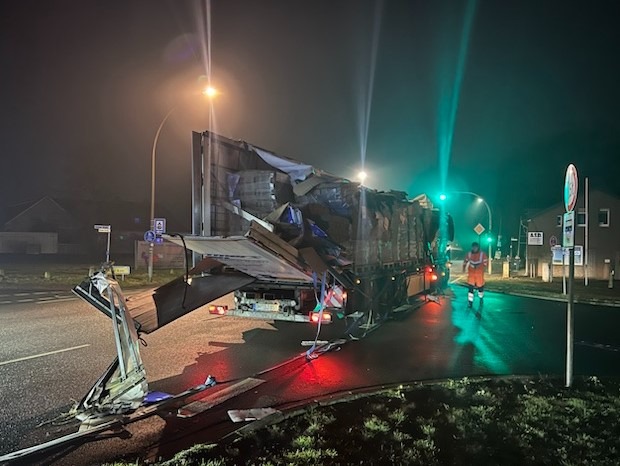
<point x="514" y="336"/>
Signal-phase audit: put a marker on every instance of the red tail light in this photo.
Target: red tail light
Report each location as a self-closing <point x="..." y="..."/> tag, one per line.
<point x="219" y="310"/>
<point x="314" y="317"/>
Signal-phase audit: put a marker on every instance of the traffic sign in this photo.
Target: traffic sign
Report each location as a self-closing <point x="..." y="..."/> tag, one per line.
<point x="571" y="186"/>
<point x="479" y="229"/>
<point x="553" y="241"/>
<point x="535" y="238"/>
<point x="159" y="225"/>
<point x="150" y="236"/>
<point x="122" y="270"/>
<point x="103" y="228"/>
<point x="568" y="229"/>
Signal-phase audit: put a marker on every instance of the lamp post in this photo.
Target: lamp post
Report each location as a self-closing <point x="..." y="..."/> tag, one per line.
<point x="153" y="153"/>
<point x="210" y="93"/>
<point x="479" y="198"/>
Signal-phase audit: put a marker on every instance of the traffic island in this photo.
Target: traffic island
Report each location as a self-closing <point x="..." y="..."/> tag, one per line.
<point x="514" y="420"/>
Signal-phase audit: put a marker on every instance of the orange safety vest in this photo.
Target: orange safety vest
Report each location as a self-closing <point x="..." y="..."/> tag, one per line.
<point x="476" y="263"/>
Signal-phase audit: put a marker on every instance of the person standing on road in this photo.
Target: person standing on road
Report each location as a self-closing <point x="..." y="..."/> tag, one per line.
<point x="475" y="262"/>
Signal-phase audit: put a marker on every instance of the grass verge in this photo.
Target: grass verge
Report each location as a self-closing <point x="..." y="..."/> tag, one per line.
<point x="60" y="276"/>
<point x="461" y="422"/>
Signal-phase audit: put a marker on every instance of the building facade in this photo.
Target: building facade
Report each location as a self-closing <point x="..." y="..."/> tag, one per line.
<point x="603" y="231"/>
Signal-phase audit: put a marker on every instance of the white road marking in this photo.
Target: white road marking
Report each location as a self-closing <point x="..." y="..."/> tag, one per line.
<point x="21" y="294"/>
<point x="57" y="300"/>
<point x="6" y="302"/>
<point x="43" y="354"/>
<point x="25" y="300"/>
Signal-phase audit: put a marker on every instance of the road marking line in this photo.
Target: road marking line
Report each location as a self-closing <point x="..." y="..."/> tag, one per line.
<point x="601" y="346"/>
<point x="25" y="300"/>
<point x="25" y="358"/>
<point x="57" y="300"/>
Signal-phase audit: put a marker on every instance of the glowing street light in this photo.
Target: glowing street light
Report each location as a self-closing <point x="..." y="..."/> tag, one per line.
<point x="210" y="92"/>
<point x="480" y="200"/>
<point x="362" y="176"/>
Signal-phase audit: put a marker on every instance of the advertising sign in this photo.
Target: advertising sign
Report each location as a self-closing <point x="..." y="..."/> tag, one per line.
<point x="535" y="238"/>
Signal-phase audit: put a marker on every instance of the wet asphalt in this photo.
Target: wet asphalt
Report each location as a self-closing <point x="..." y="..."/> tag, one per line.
<point x="513" y="335"/>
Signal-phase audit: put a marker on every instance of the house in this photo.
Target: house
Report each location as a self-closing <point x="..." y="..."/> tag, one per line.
<point x="603" y="222"/>
<point x="66" y="227"/>
<point x="39" y="227"/>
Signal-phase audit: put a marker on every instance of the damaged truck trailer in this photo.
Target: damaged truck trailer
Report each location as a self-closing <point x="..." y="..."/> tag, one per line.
<point x="281" y="239"/>
<point x="285" y="240"/>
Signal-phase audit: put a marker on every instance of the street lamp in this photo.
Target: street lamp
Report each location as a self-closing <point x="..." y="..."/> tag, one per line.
<point x="479" y="199"/>
<point x="209" y="92"/>
<point x="362" y="177"/>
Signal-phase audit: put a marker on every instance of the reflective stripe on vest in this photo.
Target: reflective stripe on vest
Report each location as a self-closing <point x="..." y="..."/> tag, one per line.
<point x="475" y="262"/>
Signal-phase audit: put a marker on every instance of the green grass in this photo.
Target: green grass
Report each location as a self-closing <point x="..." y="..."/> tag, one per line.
<point x="461" y="422"/>
<point x="69" y="275"/>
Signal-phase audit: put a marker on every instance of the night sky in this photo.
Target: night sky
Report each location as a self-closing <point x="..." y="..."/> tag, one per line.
<point x="84" y="85"/>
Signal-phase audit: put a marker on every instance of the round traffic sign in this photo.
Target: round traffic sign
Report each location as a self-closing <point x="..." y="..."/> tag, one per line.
<point x="553" y="241"/>
<point x="571" y="185"/>
<point x="150" y="236"/>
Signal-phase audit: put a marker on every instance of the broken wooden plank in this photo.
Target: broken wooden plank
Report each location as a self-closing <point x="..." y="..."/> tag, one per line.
<point x="254" y="414"/>
<point x="208" y="402"/>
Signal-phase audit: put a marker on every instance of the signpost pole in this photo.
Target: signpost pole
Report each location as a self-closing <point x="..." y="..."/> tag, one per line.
<point x="105" y="229"/>
<point x="570" y="318"/>
<point x="563" y="274"/>
<point x="150" y="263"/>
<point x="571" y="182"/>
<point x="587" y="234"/>
<point x="107" y="251"/>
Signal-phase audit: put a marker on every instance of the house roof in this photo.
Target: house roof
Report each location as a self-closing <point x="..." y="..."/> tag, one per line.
<point x="535" y="213"/>
<point x="16" y="211"/>
<point x="123" y="215"/>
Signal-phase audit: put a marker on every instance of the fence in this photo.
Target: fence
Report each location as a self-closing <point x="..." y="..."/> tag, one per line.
<point x="165" y="256"/>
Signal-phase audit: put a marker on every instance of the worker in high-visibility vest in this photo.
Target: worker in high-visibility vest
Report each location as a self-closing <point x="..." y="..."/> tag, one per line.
<point x="475" y="263"/>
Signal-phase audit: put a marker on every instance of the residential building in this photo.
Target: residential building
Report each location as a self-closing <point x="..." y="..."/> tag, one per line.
<point x="603" y="222"/>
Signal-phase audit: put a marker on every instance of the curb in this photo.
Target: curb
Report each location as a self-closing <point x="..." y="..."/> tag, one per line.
<point x="591" y="301"/>
<point x="297" y="408"/>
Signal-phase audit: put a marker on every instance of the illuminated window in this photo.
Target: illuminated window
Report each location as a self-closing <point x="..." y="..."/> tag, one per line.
<point x="603" y="217"/>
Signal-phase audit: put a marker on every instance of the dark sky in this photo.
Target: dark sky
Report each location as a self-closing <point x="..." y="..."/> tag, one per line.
<point x="85" y="83"/>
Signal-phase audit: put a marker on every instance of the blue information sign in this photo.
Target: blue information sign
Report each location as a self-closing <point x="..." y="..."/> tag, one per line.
<point x="150" y="236"/>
